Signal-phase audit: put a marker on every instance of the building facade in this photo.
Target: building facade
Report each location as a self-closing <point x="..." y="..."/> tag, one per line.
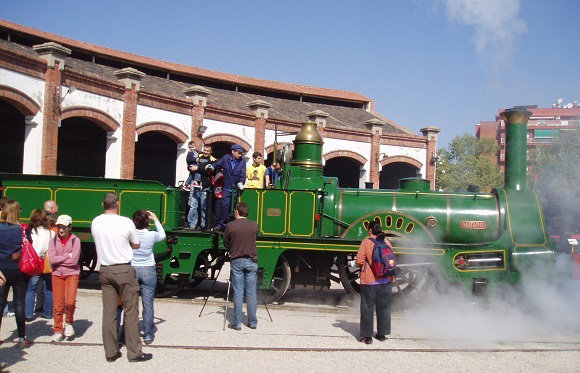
<point x="545" y="125"/>
<point x="73" y="108"/>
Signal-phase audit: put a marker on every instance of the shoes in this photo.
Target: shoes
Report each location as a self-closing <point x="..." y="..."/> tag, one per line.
<point x="366" y="340"/>
<point x="148" y="340"/>
<point x="185" y="188"/>
<point x="29" y="319"/>
<point x="114" y="357"/>
<point x="69" y="331"/>
<point x="9" y="314"/>
<point x="142" y="357"/>
<point x="251" y="326"/>
<point x="46" y="317"/>
<point x="24" y="343"/>
<point x="235" y="327"/>
<point x="57" y="337"/>
<point x="380" y="337"/>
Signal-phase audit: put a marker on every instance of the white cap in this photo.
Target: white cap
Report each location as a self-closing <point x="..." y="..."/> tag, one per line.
<point x="63" y="220"/>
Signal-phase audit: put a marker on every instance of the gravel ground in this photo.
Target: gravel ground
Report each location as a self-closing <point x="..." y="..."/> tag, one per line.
<point x="306" y="320"/>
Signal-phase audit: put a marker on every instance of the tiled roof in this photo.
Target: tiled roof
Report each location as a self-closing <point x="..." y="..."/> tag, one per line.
<point x="286" y="109"/>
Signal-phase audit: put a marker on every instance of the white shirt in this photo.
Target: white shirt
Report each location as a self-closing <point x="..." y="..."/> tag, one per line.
<point x="144" y="255"/>
<point x="113" y="235"/>
<point x="40" y="238"/>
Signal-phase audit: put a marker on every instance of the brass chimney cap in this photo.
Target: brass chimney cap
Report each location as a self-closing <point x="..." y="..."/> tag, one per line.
<point x="309" y="134"/>
<point x="516" y="115"/>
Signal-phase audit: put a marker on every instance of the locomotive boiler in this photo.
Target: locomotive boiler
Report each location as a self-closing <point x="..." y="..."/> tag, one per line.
<point x="310" y="229"/>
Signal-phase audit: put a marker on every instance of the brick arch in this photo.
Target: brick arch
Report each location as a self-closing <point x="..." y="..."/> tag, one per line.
<point x="20" y="100"/>
<point x="172" y="132"/>
<point x="402" y="159"/>
<point x="345" y="153"/>
<point x="232" y="139"/>
<point x="270" y="148"/>
<point x="102" y="119"/>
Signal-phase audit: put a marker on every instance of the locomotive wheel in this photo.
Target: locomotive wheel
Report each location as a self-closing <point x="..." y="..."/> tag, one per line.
<point x="280" y="281"/>
<point x="408" y="279"/>
<point x="206" y="266"/>
<point x="170" y="287"/>
<point x="349" y="275"/>
<point x="88" y="261"/>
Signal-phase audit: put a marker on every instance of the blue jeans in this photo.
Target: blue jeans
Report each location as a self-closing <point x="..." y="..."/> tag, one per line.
<point x="197" y="198"/>
<point x="222" y="208"/>
<point x="147" y="279"/>
<point x="244" y="270"/>
<point x="31" y="296"/>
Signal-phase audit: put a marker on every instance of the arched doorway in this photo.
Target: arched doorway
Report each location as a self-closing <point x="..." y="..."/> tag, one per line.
<point x="82" y="148"/>
<point x="346" y="169"/>
<point x="155" y="157"/>
<point x="220" y="148"/>
<point x="12" y="130"/>
<point x="391" y="173"/>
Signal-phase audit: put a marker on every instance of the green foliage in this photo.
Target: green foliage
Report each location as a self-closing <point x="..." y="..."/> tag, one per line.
<point x="468" y="161"/>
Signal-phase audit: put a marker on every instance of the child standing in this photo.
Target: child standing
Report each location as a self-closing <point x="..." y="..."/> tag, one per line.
<point x="194" y="178"/>
<point x="64" y="252"/>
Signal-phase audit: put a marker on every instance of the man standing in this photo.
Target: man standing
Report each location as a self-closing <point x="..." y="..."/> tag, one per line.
<point x="234" y="174"/>
<point x="255" y="172"/>
<point x="240" y="239"/>
<point x="51" y="209"/>
<point x="115" y="238"/>
<point x="198" y="196"/>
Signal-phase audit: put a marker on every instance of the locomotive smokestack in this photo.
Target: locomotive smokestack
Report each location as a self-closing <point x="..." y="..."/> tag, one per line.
<point x="308" y="147"/>
<point x="516" y="124"/>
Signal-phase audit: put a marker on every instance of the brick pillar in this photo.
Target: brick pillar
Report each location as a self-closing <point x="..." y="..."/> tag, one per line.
<point x="431" y="133"/>
<point x="260" y="109"/>
<point x="131" y="79"/>
<point x="318" y="117"/>
<point x="198" y="95"/>
<point x="376" y="126"/>
<point x="54" y="54"/>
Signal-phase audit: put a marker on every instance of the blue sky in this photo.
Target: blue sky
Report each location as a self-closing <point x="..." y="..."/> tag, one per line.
<point x="447" y="63"/>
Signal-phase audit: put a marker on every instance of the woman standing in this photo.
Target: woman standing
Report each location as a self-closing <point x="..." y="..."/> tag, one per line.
<point x="374" y="291"/>
<point x="10" y="249"/>
<point x="40" y="231"/>
<point x="144" y="264"/>
<point x="64" y="252"/>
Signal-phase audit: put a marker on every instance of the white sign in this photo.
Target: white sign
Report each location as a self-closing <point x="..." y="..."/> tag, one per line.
<point x="572" y="241"/>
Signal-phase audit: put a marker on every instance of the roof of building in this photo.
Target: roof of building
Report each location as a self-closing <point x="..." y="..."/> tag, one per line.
<point x="291" y="103"/>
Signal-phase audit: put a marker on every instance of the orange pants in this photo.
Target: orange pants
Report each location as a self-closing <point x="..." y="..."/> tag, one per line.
<point x="64" y="294"/>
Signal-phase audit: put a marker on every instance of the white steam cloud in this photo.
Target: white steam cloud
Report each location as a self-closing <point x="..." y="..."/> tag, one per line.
<point x="497" y="26"/>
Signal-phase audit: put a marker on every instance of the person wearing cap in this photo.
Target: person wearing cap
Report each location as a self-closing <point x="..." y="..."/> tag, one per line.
<point x="64" y="252"/>
<point x="233" y="168"/>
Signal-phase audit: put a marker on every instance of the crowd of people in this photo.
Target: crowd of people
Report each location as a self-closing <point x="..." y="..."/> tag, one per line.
<point x="127" y="265"/>
<point x="211" y="183"/>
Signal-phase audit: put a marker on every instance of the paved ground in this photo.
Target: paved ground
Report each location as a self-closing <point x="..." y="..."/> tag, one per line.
<point x="314" y="331"/>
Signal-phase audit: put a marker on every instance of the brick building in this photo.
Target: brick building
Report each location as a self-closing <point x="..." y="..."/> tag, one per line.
<point x="79" y="109"/>
<point x="544" y="126"/>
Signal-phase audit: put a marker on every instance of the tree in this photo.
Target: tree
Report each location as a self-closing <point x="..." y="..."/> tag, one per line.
<point x="555" y="174"/>
<point x="468" y="161"/>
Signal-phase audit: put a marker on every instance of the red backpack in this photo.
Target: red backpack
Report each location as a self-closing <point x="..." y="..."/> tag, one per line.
<point x="30" y="262"/>
<point x="384" y="261"/>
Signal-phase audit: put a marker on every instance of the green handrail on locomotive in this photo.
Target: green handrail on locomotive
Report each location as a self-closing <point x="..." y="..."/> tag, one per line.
<point x="310" y="229"/>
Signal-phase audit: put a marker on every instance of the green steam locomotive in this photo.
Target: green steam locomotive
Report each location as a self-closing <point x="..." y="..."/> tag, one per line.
<point x="310" y="229"/>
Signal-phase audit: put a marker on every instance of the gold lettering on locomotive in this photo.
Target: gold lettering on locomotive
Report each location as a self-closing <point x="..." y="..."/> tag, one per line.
<point x="473" y="224"/>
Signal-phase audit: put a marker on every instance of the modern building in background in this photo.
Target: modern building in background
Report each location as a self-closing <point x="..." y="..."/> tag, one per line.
<point x="73" y="108"/>
<point x="544" y="126"/>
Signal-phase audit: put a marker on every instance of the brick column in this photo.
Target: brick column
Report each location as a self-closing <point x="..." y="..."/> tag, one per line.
<point x="318" y="117"/>
<point x="131" y="79"/>
<point x="198" y="95"/>
<point x="376" y="126"/>
<point x="431" y="133"/>
<point x="260" y="109"/>
<point x="54" y="54"/>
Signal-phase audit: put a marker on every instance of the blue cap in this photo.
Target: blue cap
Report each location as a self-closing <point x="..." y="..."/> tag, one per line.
<point x="238" y="148"/>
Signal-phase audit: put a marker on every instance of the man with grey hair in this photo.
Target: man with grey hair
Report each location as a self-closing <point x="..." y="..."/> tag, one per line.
<point x="115" y="239"/>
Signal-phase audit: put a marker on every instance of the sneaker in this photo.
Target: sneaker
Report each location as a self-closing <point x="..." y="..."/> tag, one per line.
<point x="251" y="326"/>
<point x="9" y="314"/>
<point x="24" y="343"/>
<point x="185" y="188"/>
<point x="29" y="319"/>
<point x="367" y="340"/>
<point x="69" y="331"/>
<point x="57" y="337"/>
<point x="235" y="327"/>
<point x="148" y="340"/>
<point x="380" y="337"/>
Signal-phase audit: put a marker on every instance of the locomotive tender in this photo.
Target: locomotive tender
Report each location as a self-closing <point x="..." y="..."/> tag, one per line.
<point x="310" y="229"/>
